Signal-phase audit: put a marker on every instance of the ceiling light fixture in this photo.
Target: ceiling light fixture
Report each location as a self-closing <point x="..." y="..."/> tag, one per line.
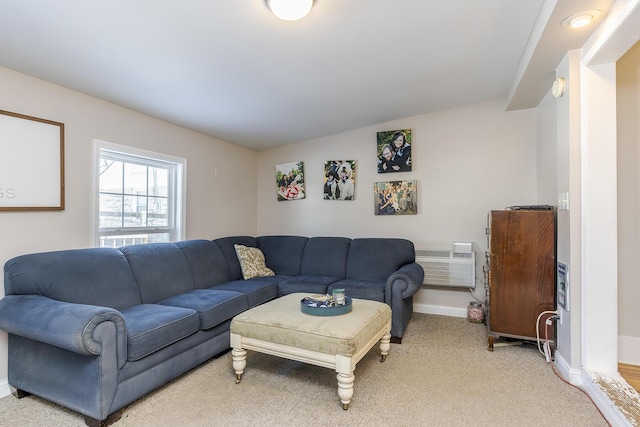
<point x="557" y="90"/>
<point x="290" y="10"/>
<point x="581" y="19"/>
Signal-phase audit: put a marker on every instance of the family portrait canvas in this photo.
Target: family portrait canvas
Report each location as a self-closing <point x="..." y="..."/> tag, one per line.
<point x="290" y="181"/>
<point x="394" y="151"/>
<point x="395" y="198"/>
<point x="339" y="179"/>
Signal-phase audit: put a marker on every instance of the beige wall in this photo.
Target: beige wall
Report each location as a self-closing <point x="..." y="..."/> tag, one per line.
<point x="467" y="161"/>
<point x="628" y="109"/>
<point x="209" y="213"/>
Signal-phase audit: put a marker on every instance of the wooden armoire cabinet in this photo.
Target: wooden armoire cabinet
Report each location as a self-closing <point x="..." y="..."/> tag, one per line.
<point x="522" y="272"/>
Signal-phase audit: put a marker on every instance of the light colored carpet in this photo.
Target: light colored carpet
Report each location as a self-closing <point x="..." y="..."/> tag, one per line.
<point x="441" y="375"/>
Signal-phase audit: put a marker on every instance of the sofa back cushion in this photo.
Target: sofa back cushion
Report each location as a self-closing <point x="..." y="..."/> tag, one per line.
<point x="208" y="265"/>
<point x="161" y="270"/>
<point x="283" y="253"/>
<point x="377" y="258"/>
<point x="96" y="276"/>
<point x="326" y="256"/>
<point x="226" y="246"/>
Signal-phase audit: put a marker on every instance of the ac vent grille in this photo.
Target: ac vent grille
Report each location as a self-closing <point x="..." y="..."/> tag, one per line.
<point x="447" y="268"/>
<point x="425" y="253"/>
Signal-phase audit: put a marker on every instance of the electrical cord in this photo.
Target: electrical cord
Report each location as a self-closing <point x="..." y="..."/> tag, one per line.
<point x="471" y="291"/>
<point x="554" y="312"/>
<point x="555" y="371"/>
<point x="474" y="296"/>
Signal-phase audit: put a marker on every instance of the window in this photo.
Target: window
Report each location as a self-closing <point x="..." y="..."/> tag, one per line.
<point x="139" y="196"/>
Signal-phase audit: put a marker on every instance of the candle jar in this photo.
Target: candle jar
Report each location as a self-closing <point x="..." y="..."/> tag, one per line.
<point x="475" y="314"/>
<point x="338" y="296"/>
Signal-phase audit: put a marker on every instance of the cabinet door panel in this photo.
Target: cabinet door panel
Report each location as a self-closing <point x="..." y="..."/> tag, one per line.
<point x="522" y="266"/>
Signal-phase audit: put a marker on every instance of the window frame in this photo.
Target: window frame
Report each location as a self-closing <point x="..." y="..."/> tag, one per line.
<point x="176" y="204"/>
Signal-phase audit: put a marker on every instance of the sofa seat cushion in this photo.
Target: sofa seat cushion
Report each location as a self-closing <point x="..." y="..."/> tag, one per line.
<point x="306" y="283"/>
<point x="257" y="290"/>
<point x="364" y="289"/>
<point x="151" y="327"/>
<point x="213" y="306"/>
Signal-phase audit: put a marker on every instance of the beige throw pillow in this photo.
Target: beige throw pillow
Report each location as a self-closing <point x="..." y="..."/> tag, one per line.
<point x="252" y="262"/>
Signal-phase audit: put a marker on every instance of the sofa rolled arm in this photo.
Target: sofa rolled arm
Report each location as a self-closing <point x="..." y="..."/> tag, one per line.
<point x="406" y="280"/>
<point x="70" y="326"/>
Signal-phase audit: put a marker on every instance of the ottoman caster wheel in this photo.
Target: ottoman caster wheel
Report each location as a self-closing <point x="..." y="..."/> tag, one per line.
<point x="345" y="406"/>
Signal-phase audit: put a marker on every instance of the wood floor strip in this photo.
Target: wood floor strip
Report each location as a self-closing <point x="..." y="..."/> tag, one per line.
<point x="631" y="374"/>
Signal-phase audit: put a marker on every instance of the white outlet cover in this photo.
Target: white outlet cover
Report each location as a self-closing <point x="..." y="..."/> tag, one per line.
<point x="563" y="201"/>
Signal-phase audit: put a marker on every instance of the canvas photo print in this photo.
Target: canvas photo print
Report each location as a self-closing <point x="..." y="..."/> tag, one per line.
<point x="395" y="198"/>
<point x="290" y="181"/>
<point x="394" y="151"/>
<point x="339" y="179"/>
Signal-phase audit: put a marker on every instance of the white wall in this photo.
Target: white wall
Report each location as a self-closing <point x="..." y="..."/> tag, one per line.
<point x="568" y="165"/>
<point x="628" y="110"/>
<point x="547" y="165"/>
<point x="467" y="161"/>
<point x="216" y="206"/>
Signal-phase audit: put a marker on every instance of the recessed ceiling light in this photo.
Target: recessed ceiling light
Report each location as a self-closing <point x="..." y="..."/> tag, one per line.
<point x="290" y="10"/>
<point x="581" y="19"/>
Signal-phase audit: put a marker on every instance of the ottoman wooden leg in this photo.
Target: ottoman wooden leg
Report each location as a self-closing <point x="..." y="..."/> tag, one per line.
<point x="239" y="362"/>
<point x="385" y="346"/>
<point x="345" y="389"/>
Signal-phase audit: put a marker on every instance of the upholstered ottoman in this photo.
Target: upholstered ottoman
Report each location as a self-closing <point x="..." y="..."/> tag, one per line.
<point x="281" y="329"/>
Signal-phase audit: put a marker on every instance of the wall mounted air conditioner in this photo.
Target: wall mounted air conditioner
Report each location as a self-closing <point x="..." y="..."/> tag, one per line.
<point x="448" y="268"/>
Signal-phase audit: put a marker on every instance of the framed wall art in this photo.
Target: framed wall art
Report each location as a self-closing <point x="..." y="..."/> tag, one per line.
<point x="394" y="151"/>
<point x="339" y="179"/>
<point x="31" y="164"/>
<point x="395" y="198"/>
<point x="290" y="181"/>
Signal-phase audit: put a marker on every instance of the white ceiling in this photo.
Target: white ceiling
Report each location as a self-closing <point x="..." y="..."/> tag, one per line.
<point x="232" y="70"/>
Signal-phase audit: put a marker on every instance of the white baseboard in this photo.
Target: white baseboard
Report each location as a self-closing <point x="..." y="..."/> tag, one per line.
<point x="4" y="388"/>
<point x="574" y="376"/>
<point x="612" y="414"/>
<point x="584" y="379"/>
<point x="629" y="350"/>
<point x="440" y="310"/>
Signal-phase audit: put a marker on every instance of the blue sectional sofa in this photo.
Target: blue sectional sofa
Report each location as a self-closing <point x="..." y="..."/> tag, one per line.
<point x="95" y="329"/>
